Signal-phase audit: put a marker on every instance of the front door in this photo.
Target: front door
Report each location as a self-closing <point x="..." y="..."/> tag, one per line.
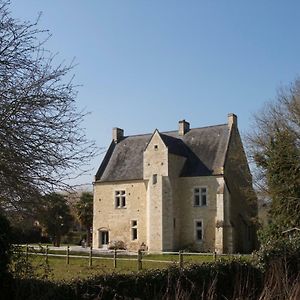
<point x="104" y="239"/>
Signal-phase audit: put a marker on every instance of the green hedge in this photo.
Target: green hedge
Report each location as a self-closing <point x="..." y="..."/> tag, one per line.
<point x="206" y="281"/>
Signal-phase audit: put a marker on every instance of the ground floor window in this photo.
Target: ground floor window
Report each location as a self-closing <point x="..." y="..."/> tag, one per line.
<point x="198" y="230"/>
<point x="134" y="230"/>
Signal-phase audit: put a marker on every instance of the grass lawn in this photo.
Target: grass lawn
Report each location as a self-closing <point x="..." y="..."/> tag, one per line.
<point x="79" y="267"/>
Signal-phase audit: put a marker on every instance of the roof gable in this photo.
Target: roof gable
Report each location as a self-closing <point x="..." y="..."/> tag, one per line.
<point x="155" y="138"/>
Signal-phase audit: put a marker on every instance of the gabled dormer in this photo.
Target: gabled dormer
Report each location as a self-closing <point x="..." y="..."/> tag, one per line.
<point x="155" y="157"/>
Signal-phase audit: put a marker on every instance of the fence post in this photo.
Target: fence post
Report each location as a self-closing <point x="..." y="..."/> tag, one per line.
<point x="91" y="256"/>
<point x="68" y="252"/>
<point x="115" y="258"/>
<point x="47" y="253"/>
<point x="180" y="259"/>
<point x="26" y="255"/>
<point x="215" y="256"/>
<point x="139" y="260"/>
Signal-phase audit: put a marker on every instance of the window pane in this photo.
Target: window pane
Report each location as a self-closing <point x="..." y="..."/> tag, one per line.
<point x="204" y="199"/>
<point x="199" y="224"/>
<point x="154" y="179"/>
<point x="197" y="200"/>
<point x="134" y="233"/>
<point x="196" y="191"/>
<point x="199" y="234"/>
<point x="117" y="201"/>
<point x="123" y="201"/>
<point x="122" y="192"/>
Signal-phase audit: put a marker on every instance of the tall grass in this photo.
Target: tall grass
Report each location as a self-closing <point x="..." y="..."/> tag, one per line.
<point x="238" y="280"/>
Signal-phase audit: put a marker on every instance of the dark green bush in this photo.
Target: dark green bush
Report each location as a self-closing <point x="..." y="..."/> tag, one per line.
<point x="5" y="245"/>
<point x="5" y="255"/>
<point x="206" y="281"/>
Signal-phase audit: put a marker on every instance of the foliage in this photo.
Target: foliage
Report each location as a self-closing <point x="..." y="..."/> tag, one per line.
<point x="42" y="140"/>
<point x="5" y="245"/>
<point x="118" y="245"/>
<point x="22" y="267"/>
<point x="55" y="216"/>
<point x="274" y="146"/>
<point x="286" y="249"/>
<point x="206" y="281"/>
<point x="84" y="210"/>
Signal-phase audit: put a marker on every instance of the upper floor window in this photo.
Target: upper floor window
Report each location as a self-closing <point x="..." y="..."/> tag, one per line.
<point x="200" y="196"/>
<point x="120" y="199"/>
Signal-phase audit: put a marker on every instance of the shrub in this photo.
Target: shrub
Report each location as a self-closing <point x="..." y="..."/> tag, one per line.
<point x="5" y="245"/>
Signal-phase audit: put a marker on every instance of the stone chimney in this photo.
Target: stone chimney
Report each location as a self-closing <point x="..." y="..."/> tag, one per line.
<point x="183" y="127"/>
<point x="232" y="120"/>
<point x="117" y="134"/>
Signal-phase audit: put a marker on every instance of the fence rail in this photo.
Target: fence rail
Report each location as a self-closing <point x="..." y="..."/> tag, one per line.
<point x="118" y="255"/>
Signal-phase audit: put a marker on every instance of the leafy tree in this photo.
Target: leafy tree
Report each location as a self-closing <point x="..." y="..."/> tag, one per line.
<point x="55" y="217"/>
<point x="42" y="140"/>
<point x="84" y="209"/>
<point x="275" y="148"/>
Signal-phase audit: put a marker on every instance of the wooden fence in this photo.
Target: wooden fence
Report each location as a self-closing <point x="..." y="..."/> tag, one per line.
<point x="118" y="255"/>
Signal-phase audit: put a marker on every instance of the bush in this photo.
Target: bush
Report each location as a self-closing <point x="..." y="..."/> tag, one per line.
<point x="5" y="256"/>
<point x="221" y="280"/>
<point x="118" y="245"/>
<point x="28" y="235"/>
<point x="5" y="245"/>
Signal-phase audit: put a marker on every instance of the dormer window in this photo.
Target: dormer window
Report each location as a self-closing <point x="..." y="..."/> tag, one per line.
<point x="120" y="199"/>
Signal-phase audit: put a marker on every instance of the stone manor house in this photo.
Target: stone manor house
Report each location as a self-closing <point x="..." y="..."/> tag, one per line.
<point x="184" y="189"/>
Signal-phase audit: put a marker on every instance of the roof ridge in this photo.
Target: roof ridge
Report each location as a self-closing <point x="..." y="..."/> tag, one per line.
<point x="169" y="131"/>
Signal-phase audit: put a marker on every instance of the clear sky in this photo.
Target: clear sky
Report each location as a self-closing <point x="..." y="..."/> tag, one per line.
<point x="146" y="64"/>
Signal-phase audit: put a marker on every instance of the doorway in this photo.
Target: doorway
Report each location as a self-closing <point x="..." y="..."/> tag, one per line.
<point x="103" y="239"/>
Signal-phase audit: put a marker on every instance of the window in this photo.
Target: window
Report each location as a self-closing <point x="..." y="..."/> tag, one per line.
<point x="155" y="147"/>
<point x="200" y="196"/>
<point x="154" y="179"/>
<point x="120" y="199"/>
<point x="198" y="230"/>
<point x="134" y="230"/>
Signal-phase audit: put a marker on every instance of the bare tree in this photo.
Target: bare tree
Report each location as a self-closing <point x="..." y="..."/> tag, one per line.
<point x="42" y="142"/>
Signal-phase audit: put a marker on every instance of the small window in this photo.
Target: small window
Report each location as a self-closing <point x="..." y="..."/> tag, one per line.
<point x="199" y="230"/>
<point x="200" y="196"/>
<point x="120" y="199"/>
<point x="155" y="147"/>
<point x="154" y="179"/>
<point x="134" y="230"/>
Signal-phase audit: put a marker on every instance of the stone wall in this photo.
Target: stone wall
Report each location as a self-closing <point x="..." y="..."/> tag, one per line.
<point x="117" y="221"/>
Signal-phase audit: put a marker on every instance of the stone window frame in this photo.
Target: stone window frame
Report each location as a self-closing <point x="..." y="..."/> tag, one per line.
<point x="134" y="229"/>
<point x="196" y="228"/>
<point x="200" y="196"/>
<point x="120" y="198"/>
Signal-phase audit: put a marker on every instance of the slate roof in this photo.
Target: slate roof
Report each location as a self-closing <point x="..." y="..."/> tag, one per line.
<point x="204" y="149"/>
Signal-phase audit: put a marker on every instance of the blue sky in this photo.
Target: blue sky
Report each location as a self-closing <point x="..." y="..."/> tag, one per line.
<point x="145" y="64"/>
